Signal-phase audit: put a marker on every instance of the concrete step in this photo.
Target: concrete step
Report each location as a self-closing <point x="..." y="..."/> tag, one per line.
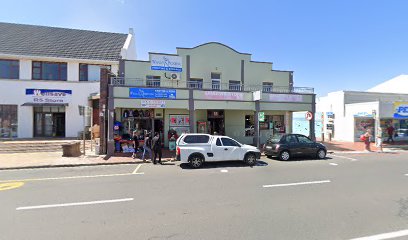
<point x="35" y="146"/>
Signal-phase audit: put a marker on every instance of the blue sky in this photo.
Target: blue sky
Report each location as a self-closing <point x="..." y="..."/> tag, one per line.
<point x="330" y="45"/>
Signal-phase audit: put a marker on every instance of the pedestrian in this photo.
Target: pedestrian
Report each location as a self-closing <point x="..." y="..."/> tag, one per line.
<point x="390" y="131"/>
<point x="157" y="148"/>
<point x="147" y="147"/>
<point x="366" y="139"/>
<point x="135" y="143"/>
<point x="379" y="139"/>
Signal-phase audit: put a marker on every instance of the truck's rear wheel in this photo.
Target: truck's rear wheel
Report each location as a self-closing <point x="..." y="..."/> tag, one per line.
<point x="250" y="159"/>
<point x="196" y="161"/>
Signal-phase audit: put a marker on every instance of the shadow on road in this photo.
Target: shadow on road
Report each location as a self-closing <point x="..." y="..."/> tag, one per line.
<point x="228" y="164"/>
<point x="297" y="159"/>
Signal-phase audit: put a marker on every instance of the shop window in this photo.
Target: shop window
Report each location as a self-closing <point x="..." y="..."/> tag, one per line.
<point x="249" y="125"/>
<point x="91" y="72"/>
<point x="152" y="81"/>
<point x="267" y="87"/>
<point x="216" y="81"/>
<point x="8" y="121"/>
<point x="234" y="85"/>
<point x="9" y="69"/>
<point x="195" y="83"/>
<point x="49" y="71"/>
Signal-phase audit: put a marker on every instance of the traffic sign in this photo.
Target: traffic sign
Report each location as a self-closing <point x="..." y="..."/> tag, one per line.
<point x="309" y="116"/>
<point x="261" y="116"/>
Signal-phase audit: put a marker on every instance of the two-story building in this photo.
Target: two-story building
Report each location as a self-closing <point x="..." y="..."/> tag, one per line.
<point x="210" y="88"/>
<point x="47" y="72"/>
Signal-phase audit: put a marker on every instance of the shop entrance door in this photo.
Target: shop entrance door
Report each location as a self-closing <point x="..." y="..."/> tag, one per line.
<point x="216" y="122"/>
<point x="48" y="122"/>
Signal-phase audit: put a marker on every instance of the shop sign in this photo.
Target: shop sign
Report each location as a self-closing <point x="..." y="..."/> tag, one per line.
<point x="152" y="93"/>
<point x="261" y="116"/>
<point x="363" y="114"/>
<point x="48" y="96"/>
<point x="153" y="104"/>
<point x="215" y="95"/>
<point x="179" y="120"/>
<point x="400" y="110"/>
<point x="330" y="114"/>
<point x="285" y="98"/>
<point x="166" y="63"/>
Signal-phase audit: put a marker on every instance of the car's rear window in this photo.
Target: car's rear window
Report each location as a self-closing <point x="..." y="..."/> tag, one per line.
<point x="196" y="139"/>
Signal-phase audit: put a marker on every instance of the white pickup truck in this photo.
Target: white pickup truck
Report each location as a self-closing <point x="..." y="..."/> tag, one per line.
<point x="196" y="148"/>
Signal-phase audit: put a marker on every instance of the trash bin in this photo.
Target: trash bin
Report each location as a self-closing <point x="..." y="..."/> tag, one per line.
<point x="72" y="149"/>
<point x="172" y="145"/>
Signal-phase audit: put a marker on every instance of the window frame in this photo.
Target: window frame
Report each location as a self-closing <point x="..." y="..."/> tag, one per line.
<point x="197" y="81"/>
<point x="152" y="80"/>
<point x="41" y="77"/>
<point x="234" y="83"/>
<point x="13" y="64"/>
<point x="268" y="85"/>
<point x="217" y="80"/>
<point x="232" y="140"/>
<point x="85" y="71"/>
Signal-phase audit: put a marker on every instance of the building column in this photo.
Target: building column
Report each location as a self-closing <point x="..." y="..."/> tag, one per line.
<point x="111" y="118"/>
<point x="190" y="97"/>
<point x="103" y="106"/>
<point x="288" y="122"/>
<point x="312" y="121"/>
<point x="256" y="122"/>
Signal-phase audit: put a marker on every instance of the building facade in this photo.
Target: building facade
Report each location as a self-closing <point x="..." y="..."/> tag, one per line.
<point x="349" y="114"/>
<point x="210" y="88"/>
<point x="47" y="72"/>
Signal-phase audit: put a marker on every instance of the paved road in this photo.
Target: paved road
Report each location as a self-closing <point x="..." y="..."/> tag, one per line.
<point x="343" y="197"/>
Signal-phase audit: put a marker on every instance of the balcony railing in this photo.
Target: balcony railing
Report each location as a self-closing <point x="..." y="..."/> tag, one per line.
<point x="165" y="83"/>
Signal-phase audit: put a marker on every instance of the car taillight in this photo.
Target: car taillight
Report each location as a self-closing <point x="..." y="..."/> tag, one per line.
<point x="177" y="151"/>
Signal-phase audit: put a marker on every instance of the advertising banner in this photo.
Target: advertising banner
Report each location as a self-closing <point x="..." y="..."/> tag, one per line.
<point x="400" y="110"/>
<point x="215" y="95"/>
<point x="152" y="93"/>
<point x="153" y="104"/>
<point x="166" y="63"/>
<point x="285" y="98"/>
<point x="48" y="96"/>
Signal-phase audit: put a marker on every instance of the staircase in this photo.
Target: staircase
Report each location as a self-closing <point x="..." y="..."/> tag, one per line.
<point x="28" y="146"/>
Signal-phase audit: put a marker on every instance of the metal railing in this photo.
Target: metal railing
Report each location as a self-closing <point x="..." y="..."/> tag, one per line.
<point x="194" y="84"/>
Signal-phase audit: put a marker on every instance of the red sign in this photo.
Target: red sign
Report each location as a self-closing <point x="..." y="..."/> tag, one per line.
<point x="309" y="116"/>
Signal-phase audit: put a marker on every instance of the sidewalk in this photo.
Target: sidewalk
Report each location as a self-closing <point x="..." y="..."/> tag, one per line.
<point x="55" y="159"/>
<point x="335" y="146"/>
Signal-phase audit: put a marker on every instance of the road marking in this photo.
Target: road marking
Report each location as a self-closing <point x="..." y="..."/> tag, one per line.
<point x="295" y="184"/>
<point x="74" y="204"/>
<point x="137" y="168"/>
<point x="384" y="235"/>
<point x="10" y="185"/>
<point x="333" y="164"/>
<point x="224" y="170"/>
<point x="349" y="158"/>
<point x="72" y="177"/>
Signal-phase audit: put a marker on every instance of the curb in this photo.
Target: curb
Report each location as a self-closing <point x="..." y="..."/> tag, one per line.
<point x="78" y="165"/>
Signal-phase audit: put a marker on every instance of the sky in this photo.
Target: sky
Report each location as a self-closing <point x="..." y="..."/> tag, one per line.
<point x="330" y="45"/>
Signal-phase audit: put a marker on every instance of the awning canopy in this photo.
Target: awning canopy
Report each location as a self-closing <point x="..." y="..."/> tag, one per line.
<point x="45" y="104"/>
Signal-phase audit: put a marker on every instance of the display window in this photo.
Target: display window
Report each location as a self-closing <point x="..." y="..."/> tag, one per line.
<point x="361" y="125"/>
<point x="273" y="123"/>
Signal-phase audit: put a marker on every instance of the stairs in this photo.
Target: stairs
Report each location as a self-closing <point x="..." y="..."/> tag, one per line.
<point x="29" y="146"/>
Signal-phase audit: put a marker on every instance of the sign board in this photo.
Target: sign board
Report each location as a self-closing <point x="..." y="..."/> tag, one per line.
<point x="400" y="110"/>
<point x="166" y="63"/>
<point x="48" y="96"/>
<point x="285" y="98"/>
<point x="153" y="103"/>
<point x="216" y="95"/>
<point x="309" y="116"/>
<point x="261" y="116"/>
<point x="257" y="95"/>
<point x="152" y="93"/>
<point x="363" y="114"/>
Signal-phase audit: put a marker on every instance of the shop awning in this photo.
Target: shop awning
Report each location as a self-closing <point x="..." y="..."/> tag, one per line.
<point x="45" y="104"/>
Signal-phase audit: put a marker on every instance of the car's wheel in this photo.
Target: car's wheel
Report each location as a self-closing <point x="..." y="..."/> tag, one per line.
<point x="250" y="159"/>
<point x="196" y="161"/>
<point x="321" y="154"/>
<point x="284" y="155"/>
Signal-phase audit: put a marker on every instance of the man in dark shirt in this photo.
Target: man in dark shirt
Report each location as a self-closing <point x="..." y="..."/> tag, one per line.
<point x="157" y="149"/>
<point x="390" y="131"/>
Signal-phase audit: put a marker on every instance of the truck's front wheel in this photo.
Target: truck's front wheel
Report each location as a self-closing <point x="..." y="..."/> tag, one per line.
<point x="196" y="161"/>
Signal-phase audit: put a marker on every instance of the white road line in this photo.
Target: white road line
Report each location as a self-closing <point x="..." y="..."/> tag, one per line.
<point x="385" y="235"/>
<point x="74" y="204"/>
<point x="224" y="170"/>
<point x="349" y="158"/>
<point x="295" y="184"/>
<point x="72" y="177"/>
<point x="333" y="164"/>
<point x="137" y="168"/>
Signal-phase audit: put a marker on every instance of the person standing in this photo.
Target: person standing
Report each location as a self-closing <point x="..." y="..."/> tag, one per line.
<point x="157" y="148"/>
<point x="390" y="131"/>
<point x="135" y="143"/>
<point x="367" y="136"/>
<point x="147" y="147"/>
<point x="379" y="139"/>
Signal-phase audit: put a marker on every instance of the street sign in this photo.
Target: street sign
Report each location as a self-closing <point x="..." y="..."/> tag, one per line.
<point x="261" y="116"/>
<point x="309" y="116"/>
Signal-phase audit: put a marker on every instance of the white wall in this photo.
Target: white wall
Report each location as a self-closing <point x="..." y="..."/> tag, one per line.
<point x="13" y="92"/>
<point x="73" y="71"/>
<point x="25" y="69"/>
